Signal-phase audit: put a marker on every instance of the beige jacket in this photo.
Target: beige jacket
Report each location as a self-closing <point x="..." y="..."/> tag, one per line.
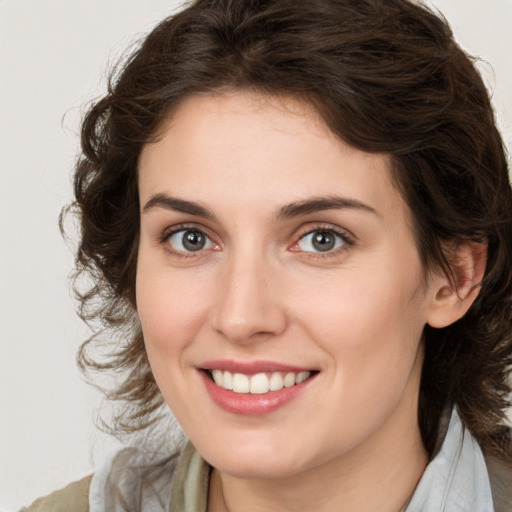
<point x="72" y="498"/>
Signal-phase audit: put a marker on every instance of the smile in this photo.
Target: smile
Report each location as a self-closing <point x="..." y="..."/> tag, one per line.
<point x="254" y="389"/>
<point x="259" y="383"/>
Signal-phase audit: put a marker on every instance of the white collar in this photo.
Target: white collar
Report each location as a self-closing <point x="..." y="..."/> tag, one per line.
<point x="456" y="480"/>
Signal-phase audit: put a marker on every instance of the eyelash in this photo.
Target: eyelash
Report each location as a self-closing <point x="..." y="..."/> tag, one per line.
<point x="347" y="239"/>
<point x="166" y="236"/>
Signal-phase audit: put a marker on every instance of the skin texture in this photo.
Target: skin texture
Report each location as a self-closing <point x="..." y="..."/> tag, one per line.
<point x="259" y="290"/>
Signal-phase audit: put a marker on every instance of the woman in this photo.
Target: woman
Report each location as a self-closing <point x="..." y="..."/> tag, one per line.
<point x="299" y="217"/>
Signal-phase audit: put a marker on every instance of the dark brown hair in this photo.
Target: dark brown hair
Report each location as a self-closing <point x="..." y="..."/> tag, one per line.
<point x="386" y="76"/>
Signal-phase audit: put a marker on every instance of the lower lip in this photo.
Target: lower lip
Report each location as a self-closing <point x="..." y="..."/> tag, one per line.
<point x="247" y="404"/>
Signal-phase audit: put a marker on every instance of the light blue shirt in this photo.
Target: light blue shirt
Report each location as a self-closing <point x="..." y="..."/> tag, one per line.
<point x="456" y="480"/>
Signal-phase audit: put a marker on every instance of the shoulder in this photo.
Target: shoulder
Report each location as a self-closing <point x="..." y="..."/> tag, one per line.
<point x="133" y="479"/>
<point x="72" y="498"/>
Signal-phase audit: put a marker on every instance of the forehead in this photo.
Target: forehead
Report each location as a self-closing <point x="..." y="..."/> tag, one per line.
<point x="242" y="149"/>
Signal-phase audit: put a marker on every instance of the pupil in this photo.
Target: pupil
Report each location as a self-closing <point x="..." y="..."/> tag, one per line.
<point x="323" y="241"/>
<point x="193" y="240"/>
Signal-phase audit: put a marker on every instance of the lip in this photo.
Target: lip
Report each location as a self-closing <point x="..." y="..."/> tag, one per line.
<point x="247" y="404"/>
<point x="252" y="367"/>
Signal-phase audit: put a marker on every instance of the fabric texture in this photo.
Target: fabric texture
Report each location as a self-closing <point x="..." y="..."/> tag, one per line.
<point x="72" y="498"/>
<point x="456" y="480"/>
<point x="131" y="481"/>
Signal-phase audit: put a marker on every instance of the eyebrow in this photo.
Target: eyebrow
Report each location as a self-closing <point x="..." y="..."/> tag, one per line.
<point x="289" y="211"/>
<point x="318" y="204"/>
<point x="177" y="205"/>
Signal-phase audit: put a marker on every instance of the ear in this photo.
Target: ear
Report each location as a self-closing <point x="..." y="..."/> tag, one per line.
<point x="453" y="295"/>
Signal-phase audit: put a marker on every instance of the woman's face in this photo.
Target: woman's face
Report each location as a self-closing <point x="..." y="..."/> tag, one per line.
<point x="271" y="252"/>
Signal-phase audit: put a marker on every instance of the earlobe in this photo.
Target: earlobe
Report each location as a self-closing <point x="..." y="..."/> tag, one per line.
<point x="453" y="295"/>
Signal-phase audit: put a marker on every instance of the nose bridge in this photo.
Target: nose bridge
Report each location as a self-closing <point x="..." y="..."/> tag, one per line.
<point x="248" y="303"/>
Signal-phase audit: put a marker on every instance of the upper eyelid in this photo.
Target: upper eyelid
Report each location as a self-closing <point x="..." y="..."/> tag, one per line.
<point x="323" y="226"/>
<point x="164" y="241"/>
<point x="185" y="226"/>
<point x="165" y="236"/>
<point x="334" y="232"/>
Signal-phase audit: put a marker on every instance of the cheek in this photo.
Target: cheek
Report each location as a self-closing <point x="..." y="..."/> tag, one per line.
<point x="370" y="323"/>
<point x="171" y="306"/>
<point x="170" y="315"/>
<point x="372" y="335"/>
<point x="357" y="306"/>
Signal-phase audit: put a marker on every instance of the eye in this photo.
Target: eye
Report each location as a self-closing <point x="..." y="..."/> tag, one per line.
<point x="321" y="240"/>
<point x="189" y="240"/>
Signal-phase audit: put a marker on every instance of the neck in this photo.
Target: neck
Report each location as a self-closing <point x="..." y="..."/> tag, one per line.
<point x="381" y="476"/>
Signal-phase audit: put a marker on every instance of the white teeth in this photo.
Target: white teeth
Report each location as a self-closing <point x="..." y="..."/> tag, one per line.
<point x="227" y="380"/>
<point x="289" y="380"/>
<point x="240" y="383"/>
<point x="259" y="383"/>
<point x="276" y="381"/>
<point x="217" y="377"/>
<point x="301" y="377"/>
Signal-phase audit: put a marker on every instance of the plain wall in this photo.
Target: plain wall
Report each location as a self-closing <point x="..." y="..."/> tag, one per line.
<point x="53" y="57"/>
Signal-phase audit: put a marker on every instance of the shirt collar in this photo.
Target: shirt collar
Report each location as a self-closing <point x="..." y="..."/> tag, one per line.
<point x="456" y="480"/>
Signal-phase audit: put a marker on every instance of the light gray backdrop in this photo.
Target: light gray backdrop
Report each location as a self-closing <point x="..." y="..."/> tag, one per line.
<point x="53" y="55"/>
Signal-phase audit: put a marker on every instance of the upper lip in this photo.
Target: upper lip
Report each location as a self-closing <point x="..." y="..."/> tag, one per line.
<point x="252" y="367"/>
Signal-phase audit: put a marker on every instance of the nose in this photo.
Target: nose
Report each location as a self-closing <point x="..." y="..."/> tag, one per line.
<point x="249" y="306"/>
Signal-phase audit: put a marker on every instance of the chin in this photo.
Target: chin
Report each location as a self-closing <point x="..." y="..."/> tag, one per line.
<point x="259" y="460"/>
<point x="256" y="468"/>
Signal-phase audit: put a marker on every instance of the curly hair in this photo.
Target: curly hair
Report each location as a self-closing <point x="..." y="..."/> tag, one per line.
<point x="385" y="76"/>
